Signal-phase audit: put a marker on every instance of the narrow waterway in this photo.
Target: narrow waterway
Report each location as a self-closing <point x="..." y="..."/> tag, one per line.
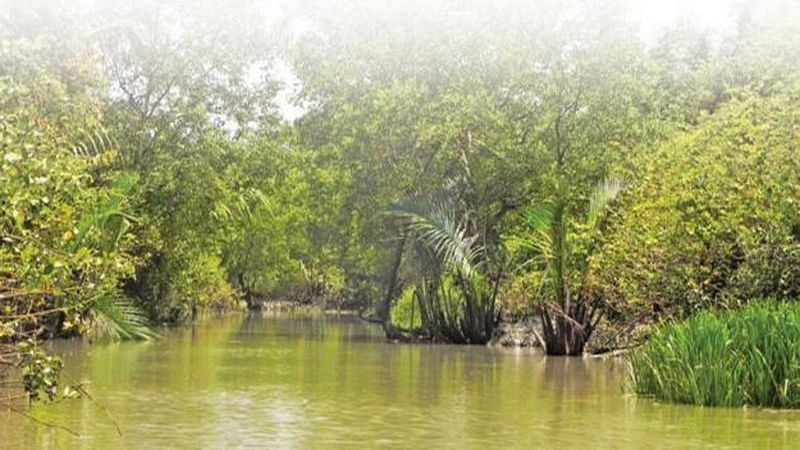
<point x="299" y="382"/>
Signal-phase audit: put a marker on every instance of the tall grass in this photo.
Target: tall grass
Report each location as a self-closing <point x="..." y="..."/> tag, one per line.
<point x="749" y="356"/>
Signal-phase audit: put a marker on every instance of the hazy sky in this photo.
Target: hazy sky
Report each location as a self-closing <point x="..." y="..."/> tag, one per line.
<point x="656" y="14"/>
<point x="651" y="14"/>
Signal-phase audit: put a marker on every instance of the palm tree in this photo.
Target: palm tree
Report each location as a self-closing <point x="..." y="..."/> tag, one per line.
<point x="568" y="312"/>
<point x="456" y="291"/>
<point x="119" y="318"/>
<point x="112" y="315"/>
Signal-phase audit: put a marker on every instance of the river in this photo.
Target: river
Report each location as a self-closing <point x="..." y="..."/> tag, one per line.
<point x="293" y="381"/>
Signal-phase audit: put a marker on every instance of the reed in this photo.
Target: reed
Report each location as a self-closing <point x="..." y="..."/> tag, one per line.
<point x="748" y="356"/>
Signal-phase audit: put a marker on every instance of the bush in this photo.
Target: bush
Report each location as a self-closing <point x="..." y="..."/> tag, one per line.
<point x="711" y="217"/>
<point x="749" y="356"/>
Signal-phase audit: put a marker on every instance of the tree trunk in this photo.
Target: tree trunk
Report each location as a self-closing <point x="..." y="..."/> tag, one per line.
<point x="565" y="336"/>
<point x="385" y="307"/>
<point x="252" y="300"/>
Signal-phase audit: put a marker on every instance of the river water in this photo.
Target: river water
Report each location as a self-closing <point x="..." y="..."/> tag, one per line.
<point x="293" y="381"/>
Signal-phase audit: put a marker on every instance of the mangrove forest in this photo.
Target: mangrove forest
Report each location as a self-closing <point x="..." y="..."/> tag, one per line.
<point x="410" y="224"/>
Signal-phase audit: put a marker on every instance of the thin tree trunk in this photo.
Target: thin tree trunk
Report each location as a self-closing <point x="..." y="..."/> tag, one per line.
<point x="385" y="307"/>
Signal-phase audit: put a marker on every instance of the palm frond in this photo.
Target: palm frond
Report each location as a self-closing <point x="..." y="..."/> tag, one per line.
<point x="538" y="244"/>
<point x="242" y="205"/>
<point x="445" y="236"/>
<point x="119" y="318"/>
<point x="113" y="207"/>
<point x="94" y="143"/>
<point x="540" y="217"/>
<point x="603" y="195"/>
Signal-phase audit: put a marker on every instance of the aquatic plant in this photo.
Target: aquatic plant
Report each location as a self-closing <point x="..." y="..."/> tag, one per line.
<point x="559" y="258"/>
<point x="457" y="291"/>
<point x="748" y="356"/>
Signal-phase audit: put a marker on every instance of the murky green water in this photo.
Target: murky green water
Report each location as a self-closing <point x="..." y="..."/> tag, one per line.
<point x="291" y="382"/>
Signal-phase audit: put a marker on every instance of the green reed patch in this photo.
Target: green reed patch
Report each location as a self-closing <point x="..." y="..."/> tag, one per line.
<point x="748" y="356"/>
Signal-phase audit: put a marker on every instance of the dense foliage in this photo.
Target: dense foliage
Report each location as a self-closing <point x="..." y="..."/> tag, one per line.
<point x="712" y="219"/>
<point x="748" y="356"/>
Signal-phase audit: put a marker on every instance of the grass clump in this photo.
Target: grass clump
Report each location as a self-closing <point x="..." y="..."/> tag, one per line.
<point x="748" y="356"/>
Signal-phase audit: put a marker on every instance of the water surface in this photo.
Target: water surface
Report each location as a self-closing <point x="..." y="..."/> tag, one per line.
<point x="299" y="382"/>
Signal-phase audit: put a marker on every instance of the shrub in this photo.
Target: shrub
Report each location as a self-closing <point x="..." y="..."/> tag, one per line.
<point x="710" y="218"/>
<point x="749" y="356"/>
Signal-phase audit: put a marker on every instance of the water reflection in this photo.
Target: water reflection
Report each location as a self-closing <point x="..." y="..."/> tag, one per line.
<point x="299" y="381"/>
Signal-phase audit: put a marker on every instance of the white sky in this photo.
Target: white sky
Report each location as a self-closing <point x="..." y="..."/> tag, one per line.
<point x="654" y="15"/>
